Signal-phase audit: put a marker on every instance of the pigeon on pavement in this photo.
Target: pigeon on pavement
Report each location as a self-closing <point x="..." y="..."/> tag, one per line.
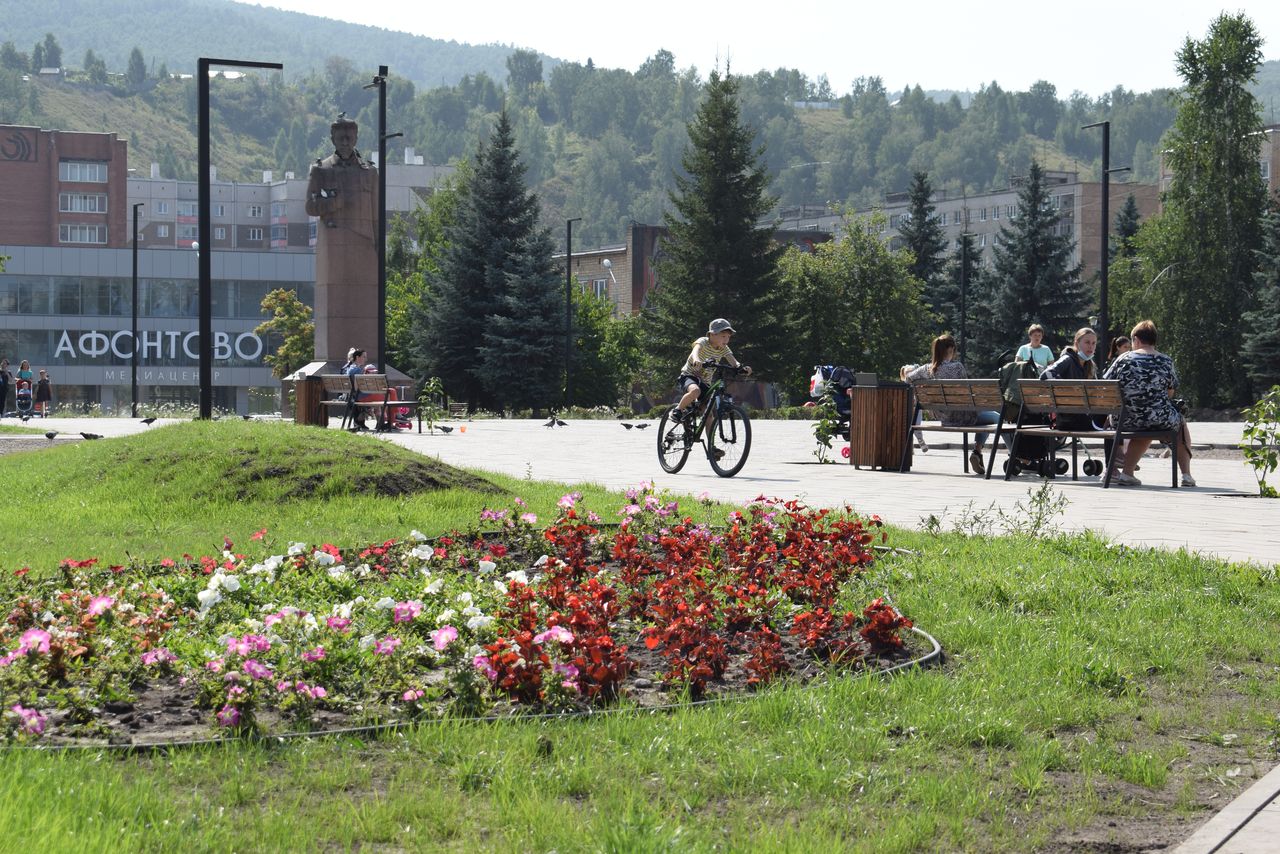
<point x="149" y="421"/>
<point x="91" y="435"/>
<point x="628" y="426"/>
<point x="49" y="434"/>
<point x="445" y="429"/>
<point x="641" y="426"/>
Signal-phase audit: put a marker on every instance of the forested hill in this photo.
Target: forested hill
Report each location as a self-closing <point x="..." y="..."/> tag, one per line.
<point x="176" y="32"/>
<point x="601" y="144"/>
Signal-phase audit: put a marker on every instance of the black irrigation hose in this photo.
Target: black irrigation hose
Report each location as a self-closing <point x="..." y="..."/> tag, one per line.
<point x="929" y="659"/>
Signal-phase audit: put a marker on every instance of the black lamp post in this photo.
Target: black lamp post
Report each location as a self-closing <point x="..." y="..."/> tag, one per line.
<point x="380" y="82"/>
<point x="133" y="379"/>
<point x="205" y="227"/>
<point x="1104" y="262"/>
<point x="568" y="309"/>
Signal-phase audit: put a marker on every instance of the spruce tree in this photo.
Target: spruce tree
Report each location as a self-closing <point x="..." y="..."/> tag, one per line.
<point x="487" y="326"/>
<point x="1032" y="279"/>
<point x="959" y="284"/>
<point x="717" y="262"/>
<point x="1125" y="230"/>
<point x="137" y="73"/>
<point x="1261" y="347"/>
<point x="923" y="235"/>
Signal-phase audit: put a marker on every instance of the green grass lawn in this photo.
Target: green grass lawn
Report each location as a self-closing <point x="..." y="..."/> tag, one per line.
<point x="1089" y="691"/>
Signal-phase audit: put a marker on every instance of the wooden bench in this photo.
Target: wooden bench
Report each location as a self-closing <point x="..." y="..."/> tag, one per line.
<point x="955" y="397"/>
<point x="367" y="393"/>
<point x="1098" y="399"/>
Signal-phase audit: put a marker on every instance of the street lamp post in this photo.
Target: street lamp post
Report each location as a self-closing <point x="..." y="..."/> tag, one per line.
<point x="133" y="378"/>
<point x="1104" y="262"/>
<point x="380" y="83"/>
<point x="568" y="309"/>
<point x="205" y="227"/>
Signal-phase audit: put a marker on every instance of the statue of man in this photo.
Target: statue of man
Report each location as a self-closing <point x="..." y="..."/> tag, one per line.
<point x="342" y="190"/>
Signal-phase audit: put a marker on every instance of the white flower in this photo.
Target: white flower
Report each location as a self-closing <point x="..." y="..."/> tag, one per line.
<point x="230" y="583"/>
<point x="417" y="535"/>
<point x="309" y="622"/>
<point x="423" y="552"/>
<point x="108" y="643"/>
<point x="361" y="571"/>
<point x="446" y="617"/>
<point x="518" y="575"/>
<point x="501" y="586"/>
<point x="208" y="598"/>
<point x="297" y="548"/>
<point x="542" y="560"/>
<point x="125" y="608"/>
<point x="323" y="558"/>
<point x="343" y="610"/>
<point x="464" y="597"/>
<point x="479" y="622"/>
<point x="367" y="641"/>
<point x="487" y="566"/>
<point x="273" y="562"/>
<point x="471" y="611"/>
<point x="250" y="624"/>
<point x="337" y="571"/>
<point x="434" y="587"/>
<point x="386" y="603"/>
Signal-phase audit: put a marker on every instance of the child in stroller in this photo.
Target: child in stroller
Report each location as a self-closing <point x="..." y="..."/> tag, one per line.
<point x="22" y="399"/>
<point x="834" y="382"/>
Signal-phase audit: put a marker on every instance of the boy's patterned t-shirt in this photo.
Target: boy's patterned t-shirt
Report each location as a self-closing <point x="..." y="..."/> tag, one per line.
<point x="706" y="353"/>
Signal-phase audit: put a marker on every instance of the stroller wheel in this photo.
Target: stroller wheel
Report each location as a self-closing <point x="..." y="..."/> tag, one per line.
<point x="1061" y="467"/>
<point x="1092" y="468"/>
<point x="1046" y="468"/>
<point x="1012" y="468"/>
<point x="844" y="452"/>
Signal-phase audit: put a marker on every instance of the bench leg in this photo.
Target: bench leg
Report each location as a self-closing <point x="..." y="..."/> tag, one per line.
<point x="995" y="440"/>
<point x="1173" y="447"/>
<point x="1111" y="458"/>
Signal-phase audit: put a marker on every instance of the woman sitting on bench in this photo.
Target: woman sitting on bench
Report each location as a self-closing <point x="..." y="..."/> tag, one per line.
<point x="945" y="366"/>
<point x="1147" y="382"/>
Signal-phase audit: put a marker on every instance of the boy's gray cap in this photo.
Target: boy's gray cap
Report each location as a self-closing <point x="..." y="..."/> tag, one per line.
<point x="721" y="325"/>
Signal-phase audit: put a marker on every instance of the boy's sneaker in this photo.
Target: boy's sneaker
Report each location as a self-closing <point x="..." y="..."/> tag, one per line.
<point x="922" y="445"/>
<point x="719" y="454"/>
<point x="677" y="414"/>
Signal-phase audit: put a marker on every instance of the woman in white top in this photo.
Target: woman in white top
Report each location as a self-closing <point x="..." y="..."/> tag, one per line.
<point x="1034" y="350"/>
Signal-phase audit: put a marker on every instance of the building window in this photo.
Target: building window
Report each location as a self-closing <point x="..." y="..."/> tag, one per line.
<point x="895" y="221"/>
<point x="96" y="234"/>
<point x="255" y="235"/>
<point x="1264" y="166"/>
<point x="278" y="210"/>
<point x="219" y="233"/>
<point x="162" y="230"/>
<point x="1010" y="212"/>
<point x="87" y="171"/>
<point x="186" y="208"/>
<point x="955" y="217"/>
<point x="188" y="232"/>
<point x="995" y="211"/>
<point x="982" y="214"/>
<point x="279" y="233"/>
<point x="162" y="208"/>
<point x="82" y="202"/>
<point x="219" y="210"/>
<point x="255" y="211"/>
<point x="982" y="241"/>
<point x="601" y="288"/>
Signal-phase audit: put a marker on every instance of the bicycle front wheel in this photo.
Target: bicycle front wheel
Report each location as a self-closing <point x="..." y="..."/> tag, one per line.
<point x="729" y="441"/>
<point x="674" y="442"/>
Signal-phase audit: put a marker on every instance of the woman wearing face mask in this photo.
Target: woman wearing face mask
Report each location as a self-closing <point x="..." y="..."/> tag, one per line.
<point x="1075" y="363"/>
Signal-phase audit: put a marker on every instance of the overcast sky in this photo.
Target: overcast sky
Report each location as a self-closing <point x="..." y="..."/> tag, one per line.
<point x="940" y="45"/>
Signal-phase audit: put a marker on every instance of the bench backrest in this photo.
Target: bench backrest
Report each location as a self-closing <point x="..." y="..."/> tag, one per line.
<point x="341" y="383"/>
<point x="336" y="383"/>
<point x="958" y="395"/>
<point x="371" y="382"/>
<point x="1072" y="397"/>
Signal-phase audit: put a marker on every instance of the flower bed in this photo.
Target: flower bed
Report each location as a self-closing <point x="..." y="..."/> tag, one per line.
<point x="570" y="616"/>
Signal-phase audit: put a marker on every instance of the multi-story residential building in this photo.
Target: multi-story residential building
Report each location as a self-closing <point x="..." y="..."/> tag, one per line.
<point x="982" y="215"/>
<point x="66" y="205"/>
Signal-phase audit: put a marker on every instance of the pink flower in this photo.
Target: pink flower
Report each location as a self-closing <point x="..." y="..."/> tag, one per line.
<point x="255" y="669"/>
<point x="568" y="671"/>
<point x="215" y="665"/>
<point x="629" y="510"/>
<point x="443" y="636"/>
<point x="405" y="612"/>
<point x="99" y="604"/>
<point x="567" y="501"/>
<point x="412" y="694"/>
<point x="236" y="691"/>
<point x="481" y="663"/>
<point x="32" y="721"/>
<point x="316" y="654"/>
<point x="247" y="645"/>
<point x="559" y="634"/>
<point x="386" y="646"/>
<point x="529" y="518"/>
<point x="34" y="640"/>
<point x="338" y="624"/>
<point x="283" y="685"/>
<point x="228" y="716"/>
<point x="158" y="656"/>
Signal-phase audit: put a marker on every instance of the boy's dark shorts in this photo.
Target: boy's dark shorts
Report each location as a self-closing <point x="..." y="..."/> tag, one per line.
<point x="682" y="384"/>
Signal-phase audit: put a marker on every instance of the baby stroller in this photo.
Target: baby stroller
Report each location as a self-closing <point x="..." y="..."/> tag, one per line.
<point x="834" y="381"/>
<point x="1029" y="453"/>
<point x="22" y="399"/>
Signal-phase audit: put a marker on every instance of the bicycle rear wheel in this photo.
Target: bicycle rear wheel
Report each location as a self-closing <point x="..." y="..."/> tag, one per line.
<point x="674" y="442"/>
<point x="729" y="441"/>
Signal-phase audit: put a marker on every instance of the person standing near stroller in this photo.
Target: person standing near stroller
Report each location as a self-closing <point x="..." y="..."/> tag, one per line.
<point x="44" y="394"/>
<point x="945" y="366"/>
<point x="6" y="378"/>
<point x="1034" y="350"/>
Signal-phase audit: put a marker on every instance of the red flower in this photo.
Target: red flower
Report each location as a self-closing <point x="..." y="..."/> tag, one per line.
<point x="257" y="535"/>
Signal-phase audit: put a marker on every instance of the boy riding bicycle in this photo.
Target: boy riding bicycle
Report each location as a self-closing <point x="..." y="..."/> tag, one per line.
<point x="714" y="346"/>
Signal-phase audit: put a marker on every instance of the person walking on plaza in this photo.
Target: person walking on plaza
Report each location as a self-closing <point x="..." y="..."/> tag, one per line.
<point x="6" y="379"/>
<point x="1035" y="350"/>
<point x="44" y="394"/>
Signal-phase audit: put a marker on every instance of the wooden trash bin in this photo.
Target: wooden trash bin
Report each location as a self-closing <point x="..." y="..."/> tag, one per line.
<point x="307" y="409"/>
<point x="878" y="417"/>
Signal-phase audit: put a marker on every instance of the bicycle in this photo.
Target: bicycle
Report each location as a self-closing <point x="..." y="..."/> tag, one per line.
<point x="717" y="423"/>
